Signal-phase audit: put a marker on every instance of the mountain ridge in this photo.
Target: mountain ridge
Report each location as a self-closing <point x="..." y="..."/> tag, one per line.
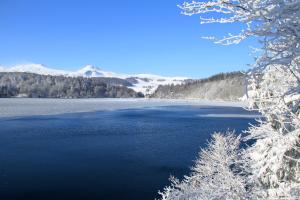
<point x="145" y="83"/>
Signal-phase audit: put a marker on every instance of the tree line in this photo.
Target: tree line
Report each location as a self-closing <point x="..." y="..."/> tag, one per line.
<point x="16" y="84"/>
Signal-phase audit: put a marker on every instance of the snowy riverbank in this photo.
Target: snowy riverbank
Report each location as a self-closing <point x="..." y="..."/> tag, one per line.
<point x="17" y="107"/>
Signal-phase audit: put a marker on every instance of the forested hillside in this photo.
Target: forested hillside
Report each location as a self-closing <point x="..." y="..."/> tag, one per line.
<point x="224" y="86"/>
<point x="43" y="86"/>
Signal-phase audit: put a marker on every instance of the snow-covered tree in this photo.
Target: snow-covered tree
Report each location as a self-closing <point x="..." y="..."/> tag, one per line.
<point x="273" y="89"/>
<point x="275" y="157"/>
<point x="215" y="174"/>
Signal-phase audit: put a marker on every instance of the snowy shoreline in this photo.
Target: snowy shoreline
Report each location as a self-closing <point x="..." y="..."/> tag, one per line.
<point x="21" y="107"/>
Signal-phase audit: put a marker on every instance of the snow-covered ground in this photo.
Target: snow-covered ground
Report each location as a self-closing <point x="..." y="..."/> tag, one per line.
<point x="231" y="115"/>
<point x="18" y="107"/>
<point x="145" y="83"/>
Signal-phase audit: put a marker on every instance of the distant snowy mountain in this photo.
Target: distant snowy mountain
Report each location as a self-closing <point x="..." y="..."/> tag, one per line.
<point x="90" y="71"/>
<point x="145" y="83"/>
<point x="36" y="69"/>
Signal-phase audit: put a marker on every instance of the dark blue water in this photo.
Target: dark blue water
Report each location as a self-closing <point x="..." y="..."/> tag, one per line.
<point x="125" y="154"/>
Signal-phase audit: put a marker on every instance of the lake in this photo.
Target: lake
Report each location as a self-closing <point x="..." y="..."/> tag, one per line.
<point x="118" y="154"/>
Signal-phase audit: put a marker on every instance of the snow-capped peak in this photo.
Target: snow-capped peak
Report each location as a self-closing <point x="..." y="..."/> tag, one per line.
<point x="89" y="71"/>
<point x="92" y="71"/>
<point x="89" y="68"/>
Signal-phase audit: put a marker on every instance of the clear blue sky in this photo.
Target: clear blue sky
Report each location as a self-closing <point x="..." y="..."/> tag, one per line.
<point x="124" y="36"/>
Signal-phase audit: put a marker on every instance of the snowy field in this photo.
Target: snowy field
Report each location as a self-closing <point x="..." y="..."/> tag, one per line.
<point x="17" y="107"/>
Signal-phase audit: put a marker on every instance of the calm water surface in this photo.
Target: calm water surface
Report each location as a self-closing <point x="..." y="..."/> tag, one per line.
<point x="124" y="154"/>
